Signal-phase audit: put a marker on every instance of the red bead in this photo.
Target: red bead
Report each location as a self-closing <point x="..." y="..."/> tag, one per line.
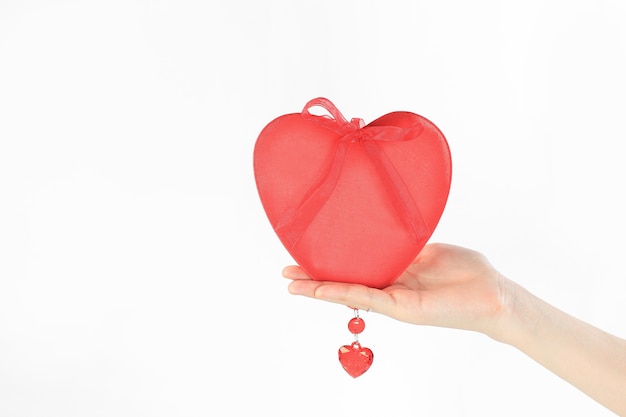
<point x="356" y="325"/>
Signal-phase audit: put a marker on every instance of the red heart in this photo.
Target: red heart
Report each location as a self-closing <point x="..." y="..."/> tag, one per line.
<point x="355" y="359"/>
<point x="352" y="203"/>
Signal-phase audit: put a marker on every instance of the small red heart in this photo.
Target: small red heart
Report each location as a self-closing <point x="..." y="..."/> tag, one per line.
<point x="355" y="359"/>
<point x="352" y="203"/>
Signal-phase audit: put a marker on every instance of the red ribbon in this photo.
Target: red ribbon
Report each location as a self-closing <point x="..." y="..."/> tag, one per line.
<point x="297" y="220"/>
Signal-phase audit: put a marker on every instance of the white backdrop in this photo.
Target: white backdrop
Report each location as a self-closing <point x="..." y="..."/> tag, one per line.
<point x="139" y="275"/>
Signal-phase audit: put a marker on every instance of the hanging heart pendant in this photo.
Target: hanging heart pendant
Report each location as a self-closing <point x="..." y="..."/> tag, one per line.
<point x="355" y="359"/>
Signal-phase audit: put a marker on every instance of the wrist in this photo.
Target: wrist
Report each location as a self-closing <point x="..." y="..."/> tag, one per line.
<point x="518" y="316"/>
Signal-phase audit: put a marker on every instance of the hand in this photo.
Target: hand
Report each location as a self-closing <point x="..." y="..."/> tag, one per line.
<point x="450" y="286"/>
<point x="445" y="286"/>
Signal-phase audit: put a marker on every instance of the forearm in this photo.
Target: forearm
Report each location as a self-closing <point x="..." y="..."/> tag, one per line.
<point x="588" y="358"/>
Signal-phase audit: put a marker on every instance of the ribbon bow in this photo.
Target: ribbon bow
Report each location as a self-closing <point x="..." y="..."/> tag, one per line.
<point x="297" y="220"/>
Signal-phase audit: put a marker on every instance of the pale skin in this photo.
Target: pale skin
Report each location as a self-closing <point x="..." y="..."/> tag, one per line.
<point x="451" y="286"/>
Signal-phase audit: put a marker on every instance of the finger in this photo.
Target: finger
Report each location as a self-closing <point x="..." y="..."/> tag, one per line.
<point x="353" y="295"/>
<point x="295" y="272"/>
<point x="303" y="287"/>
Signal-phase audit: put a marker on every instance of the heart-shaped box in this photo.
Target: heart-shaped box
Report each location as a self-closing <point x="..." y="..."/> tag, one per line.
<point x="350" y="202"/>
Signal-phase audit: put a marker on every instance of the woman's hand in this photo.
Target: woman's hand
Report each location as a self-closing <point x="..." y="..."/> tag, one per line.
<point x="446" y="286"/>
<point x="450" y="286"/>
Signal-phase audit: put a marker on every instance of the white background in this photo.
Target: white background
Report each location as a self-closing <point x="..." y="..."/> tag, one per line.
<point x="139" y="275"/>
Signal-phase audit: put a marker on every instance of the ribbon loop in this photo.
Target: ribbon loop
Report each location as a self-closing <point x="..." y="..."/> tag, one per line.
<point x="336" y="123"/>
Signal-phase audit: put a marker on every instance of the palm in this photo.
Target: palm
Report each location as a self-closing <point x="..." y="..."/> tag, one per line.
<point x="445" y="286"/>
